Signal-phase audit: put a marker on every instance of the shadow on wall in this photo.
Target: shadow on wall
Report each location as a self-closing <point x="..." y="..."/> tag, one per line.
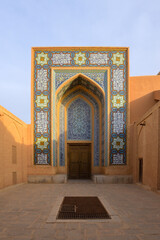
<point x="141" y="105"/>
<point x="13" y="151"/>
<point x="145" y="148"/>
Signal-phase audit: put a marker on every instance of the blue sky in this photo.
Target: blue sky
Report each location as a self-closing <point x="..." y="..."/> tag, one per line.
<point x="27" y="23"/>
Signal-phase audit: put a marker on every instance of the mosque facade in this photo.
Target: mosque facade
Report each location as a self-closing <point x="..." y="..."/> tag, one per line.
<point x="80" y="101"/>
<point x="83" y="113"/>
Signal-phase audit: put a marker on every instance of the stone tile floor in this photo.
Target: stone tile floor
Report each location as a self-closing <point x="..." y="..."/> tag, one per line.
<point x="24" y="210"/>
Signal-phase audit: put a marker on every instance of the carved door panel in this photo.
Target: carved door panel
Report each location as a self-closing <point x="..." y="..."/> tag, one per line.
<point x="79" y="161"/>
<point x="84" y="162"/>
<point x="73" y="162"/>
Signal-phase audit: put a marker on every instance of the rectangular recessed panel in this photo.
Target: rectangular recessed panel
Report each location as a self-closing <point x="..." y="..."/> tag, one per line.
<point x="14" y="154"/>
<point x="82" y="208"/>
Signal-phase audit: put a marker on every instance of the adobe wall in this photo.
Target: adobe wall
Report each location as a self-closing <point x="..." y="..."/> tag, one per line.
<point x="13" y="149"/>
<point x="142" y="95"/>
<point x="146" y="146"/>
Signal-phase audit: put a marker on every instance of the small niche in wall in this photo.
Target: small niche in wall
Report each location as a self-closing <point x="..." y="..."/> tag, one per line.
<point x="140" y="170"/>
<point x="14" y="177"/>
<point x="14" y="154"/>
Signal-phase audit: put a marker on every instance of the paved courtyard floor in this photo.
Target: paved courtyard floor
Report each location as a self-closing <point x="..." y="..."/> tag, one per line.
<point x="24" y="210"/>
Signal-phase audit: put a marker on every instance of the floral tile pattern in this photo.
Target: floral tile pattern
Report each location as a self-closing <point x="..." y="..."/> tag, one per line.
<point x="118" y="59"/>
<point x="118" y="101"/>
<point x="118" y="122"/>
<point x="118" y="143"/>
<point x="118" y="80"/>
<point x="42" y="80"/>
<point x="42" y="58"/>
<point x="42" y="101"/>
<point x="62" y="76"/>
<point x="98" y="58"/>
<point x="42" y="159"/>
<point x="42" y="143"/>
<point x="61" y="59"/>
<point x="79" y="120"/>
<point x="80" y="58"/>
<point x="42" y="122"/>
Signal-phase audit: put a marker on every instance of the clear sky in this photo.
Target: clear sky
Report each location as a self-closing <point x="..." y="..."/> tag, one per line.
<point x="30" y="23"/>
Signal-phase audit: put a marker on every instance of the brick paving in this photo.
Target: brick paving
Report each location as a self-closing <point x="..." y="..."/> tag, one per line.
<point x="24" y="210"/>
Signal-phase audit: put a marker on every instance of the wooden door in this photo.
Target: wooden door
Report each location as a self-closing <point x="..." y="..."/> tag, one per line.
<point x="79" y="160"/>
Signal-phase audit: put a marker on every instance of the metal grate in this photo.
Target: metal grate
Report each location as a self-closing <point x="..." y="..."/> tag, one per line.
<point x="82" y="208"/>
<point x="66" y="208"/>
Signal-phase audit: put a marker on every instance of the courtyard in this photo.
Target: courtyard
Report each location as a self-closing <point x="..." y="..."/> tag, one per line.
<point x="26" y="208"/>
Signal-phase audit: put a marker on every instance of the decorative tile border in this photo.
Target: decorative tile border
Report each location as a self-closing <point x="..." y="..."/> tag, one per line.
<point x="114" y="58"/>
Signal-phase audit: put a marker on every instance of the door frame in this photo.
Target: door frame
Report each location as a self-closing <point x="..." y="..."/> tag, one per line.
<point x="82" y="144"/>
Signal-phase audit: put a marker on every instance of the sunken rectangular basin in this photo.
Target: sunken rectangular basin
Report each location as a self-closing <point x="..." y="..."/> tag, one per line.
<point x="82" y="208"/>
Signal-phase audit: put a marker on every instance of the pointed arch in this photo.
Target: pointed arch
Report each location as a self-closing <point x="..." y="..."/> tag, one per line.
<point x="83" y="83"/>
<point x="83" y="76"/>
